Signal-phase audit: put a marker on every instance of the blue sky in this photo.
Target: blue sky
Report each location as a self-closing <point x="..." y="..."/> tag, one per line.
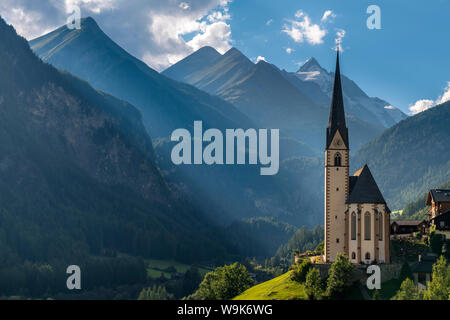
<point x="405" y="63"/>
<point x="407" y="60"/>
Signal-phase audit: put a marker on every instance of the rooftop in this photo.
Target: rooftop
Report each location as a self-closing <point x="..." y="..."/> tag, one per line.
<point x="438" y="195"/>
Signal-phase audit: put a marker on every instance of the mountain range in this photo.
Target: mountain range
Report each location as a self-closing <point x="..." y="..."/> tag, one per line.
<point x="297" y="103"/>
<point x="225" y="192"/>
<point x="411" y="157"/>
<point x="78" y="174"/>
<point x="242" y="94"/>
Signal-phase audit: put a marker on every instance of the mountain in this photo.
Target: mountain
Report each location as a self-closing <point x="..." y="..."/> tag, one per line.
<point x="165" y="104"/>
<point x="276" y="98"/>
<point x="417" y="209"/>
<point x="225" y="193"/>
<point x="357" y="102"/>
<point x="78" y="175"/>
<point x="411" y="157"/>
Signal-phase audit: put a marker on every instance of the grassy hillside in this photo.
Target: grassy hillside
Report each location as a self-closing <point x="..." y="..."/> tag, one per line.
<point x="411" y="157"/>
<point x="280" y="288"/>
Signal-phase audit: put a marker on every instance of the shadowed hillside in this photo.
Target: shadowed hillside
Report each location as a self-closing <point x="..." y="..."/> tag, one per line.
<point x="411" y="157"/>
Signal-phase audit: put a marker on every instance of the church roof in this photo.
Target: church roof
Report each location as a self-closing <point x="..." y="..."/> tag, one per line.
<point x="363" y="188"/>
<point x="337" y="114"/>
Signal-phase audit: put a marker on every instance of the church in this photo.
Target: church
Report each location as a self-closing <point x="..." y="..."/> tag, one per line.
<point x="357" y="218"/>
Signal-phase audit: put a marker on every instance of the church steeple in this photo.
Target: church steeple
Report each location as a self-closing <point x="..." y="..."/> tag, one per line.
<point x="337" y="114"/>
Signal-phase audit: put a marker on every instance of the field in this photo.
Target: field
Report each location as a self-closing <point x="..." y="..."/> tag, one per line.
<point x="280" y="288"/>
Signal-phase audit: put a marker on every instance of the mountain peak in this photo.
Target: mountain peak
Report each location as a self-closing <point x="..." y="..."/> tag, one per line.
<point x="310" y="64"/>
<point x="233" y="52"/>
<point x="89" y="23"/>
<point x="208" y="49"/>
<point x="237" y="56"/>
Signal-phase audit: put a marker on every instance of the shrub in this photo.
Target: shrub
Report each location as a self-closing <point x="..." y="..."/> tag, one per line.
<point x="225" y="283"/>
<point x="313" y="285"/>
<point x="301" y="270"/>
<point x="339" y="277"/>
<point x="408" y="291"/>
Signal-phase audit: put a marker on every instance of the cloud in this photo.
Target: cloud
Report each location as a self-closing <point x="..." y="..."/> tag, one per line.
<point x="184" y="5"/>
<point x="94" y="6"/>
<point x="217" y="35"/>
<point x="327" y="15"/>
<point x="340" y="34"/>
<point x="269" y="22"/>
<point x="445" y="96"/>
<point x="260" y="59"/>
<point x="425" y="104"/>
<point x="421" y="105"/>
<point x="159" y="32"/>
<point x="289" y="50"/>
<point x="303" y="29"/>
<point x="390" y="107"/>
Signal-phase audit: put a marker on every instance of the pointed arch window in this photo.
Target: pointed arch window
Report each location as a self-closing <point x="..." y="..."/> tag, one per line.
<point x="353" y="220"/>
<point x="353" y="255"/>
<point x="337" y="160"/>
<point x="367" y="226"/>
<point x="367" y="255"/>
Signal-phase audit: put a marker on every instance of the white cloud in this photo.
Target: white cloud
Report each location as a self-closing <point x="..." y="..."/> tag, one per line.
<point x="260" y="58"/>
<point x="304" y="30"/>
<point x="445" y="96"/>
<point x="390" y="107"/>
<point x="421" y="105"/>
<point x="184" y="5"/>
<point x="299" y="14"/>
<point x="217" y="35"/>
<point x="94" y="6"/>
<point x="328" y="15"/>
<point x="289" y="50"/>
<point x="425" y="104"/>
<point x="159" y="32"/>
<point x="269" y="22"/>
<point x="340" y="34"/>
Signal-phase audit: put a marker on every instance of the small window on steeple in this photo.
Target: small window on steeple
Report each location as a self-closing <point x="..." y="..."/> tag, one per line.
<point x="337" y="160"/>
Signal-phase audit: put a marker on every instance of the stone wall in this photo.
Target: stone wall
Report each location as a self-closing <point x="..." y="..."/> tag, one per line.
<point x="388" y="272"/>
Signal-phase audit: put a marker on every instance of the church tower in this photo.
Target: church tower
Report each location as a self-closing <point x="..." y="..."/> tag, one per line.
<point x="336" y="174"/>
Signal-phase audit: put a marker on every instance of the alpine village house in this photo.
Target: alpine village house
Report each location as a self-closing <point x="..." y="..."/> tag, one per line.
<point x="357" y="218"/>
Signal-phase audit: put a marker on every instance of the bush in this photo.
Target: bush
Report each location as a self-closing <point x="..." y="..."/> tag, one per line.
<point x="339" y="277"/>
<point x="439" y="286"/>
<point x="408" y="291"/>
<point x="301" y="270"/>
<point x="436" y="241"/>
<point x="313" y="285"/>
<point x="155" y="293"/>
<point x="225" y="283"/>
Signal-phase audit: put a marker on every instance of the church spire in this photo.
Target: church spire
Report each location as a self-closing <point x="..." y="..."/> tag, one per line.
<point x="337" y="114"/>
